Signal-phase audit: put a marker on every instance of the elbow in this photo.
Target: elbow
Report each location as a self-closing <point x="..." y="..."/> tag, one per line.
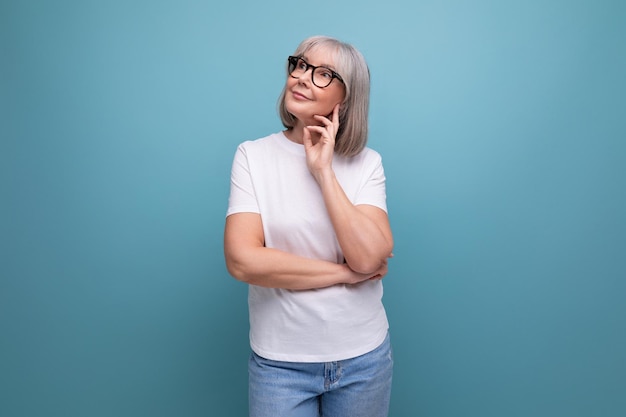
<point x="367" y="266"/>
<point x="236" y="269"/>
<point x="364" y="268"/>
<point x="243" y="264"/>
<point x="371" y="263"/>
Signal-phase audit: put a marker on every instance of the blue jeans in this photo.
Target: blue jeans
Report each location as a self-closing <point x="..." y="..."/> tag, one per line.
<point x="357" y="387"/>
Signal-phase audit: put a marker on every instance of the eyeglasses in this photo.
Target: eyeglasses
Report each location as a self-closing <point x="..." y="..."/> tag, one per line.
<point x="321" y="76"/>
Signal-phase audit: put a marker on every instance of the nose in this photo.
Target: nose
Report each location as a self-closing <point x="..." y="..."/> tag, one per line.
<point x="306" y="77"/>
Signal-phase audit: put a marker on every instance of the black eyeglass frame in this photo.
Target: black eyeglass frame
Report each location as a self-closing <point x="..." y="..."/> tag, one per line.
<point x="293" y="60"/>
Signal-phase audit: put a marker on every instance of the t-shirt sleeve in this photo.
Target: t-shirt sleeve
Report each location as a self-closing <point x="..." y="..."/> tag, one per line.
<point x="242" y="196"/>
<point x="373" y="191"/>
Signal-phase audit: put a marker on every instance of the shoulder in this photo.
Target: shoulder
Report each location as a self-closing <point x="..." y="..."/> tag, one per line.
<point x="252" y="150"/>
<point x="370" y="154"/>
<point x="367" y="157"/>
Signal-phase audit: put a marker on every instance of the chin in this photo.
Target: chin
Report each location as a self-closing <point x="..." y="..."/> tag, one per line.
<point x="298" y="113"/>
<point x="305" y="114"/>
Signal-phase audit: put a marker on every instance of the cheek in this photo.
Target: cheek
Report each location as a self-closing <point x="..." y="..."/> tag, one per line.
<point x="335" y="99"/>
<point x="327" y="105"/>
<point x="338" y="95"/>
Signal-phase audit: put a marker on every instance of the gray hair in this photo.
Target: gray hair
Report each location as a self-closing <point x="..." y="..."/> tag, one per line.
<point x="350" y="64"/>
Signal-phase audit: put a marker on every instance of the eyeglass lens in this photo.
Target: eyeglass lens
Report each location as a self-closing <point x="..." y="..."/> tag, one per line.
<point x="321" y="77"/>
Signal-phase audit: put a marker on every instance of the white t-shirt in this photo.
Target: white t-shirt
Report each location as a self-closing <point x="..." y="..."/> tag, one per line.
<point x="270" y="177"/>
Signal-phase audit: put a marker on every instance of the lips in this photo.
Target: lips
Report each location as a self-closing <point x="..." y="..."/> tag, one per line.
<point x="299" y="96"/>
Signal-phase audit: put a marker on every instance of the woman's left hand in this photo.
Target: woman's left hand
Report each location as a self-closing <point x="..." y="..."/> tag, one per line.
<point x="319" y="155"/>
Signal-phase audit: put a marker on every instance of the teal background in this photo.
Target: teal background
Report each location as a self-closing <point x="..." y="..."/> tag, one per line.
<point x="502" y="128"/>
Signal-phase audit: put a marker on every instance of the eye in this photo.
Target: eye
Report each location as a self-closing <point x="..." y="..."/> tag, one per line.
<point x="302" y="65"/>
<point x="326" y="73"/>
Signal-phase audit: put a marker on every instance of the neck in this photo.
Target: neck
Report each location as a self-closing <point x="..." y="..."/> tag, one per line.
<point x="296" y="133"/>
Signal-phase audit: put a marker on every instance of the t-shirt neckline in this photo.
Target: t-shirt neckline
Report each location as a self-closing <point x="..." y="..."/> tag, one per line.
<point x="291" y="146"/>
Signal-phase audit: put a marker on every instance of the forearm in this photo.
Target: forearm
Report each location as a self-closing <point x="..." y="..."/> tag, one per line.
<point x="365" y="243"/>
<point x="267" y="267"/>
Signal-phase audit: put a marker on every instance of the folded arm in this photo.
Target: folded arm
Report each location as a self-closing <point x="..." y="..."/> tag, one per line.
<point x="363" y="231"/>
<point x="248" y="260"/>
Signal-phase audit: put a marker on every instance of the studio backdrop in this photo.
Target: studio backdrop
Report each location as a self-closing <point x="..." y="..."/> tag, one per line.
<point x="502" y="130"/>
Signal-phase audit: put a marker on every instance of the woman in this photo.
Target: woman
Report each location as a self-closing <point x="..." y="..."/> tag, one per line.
<point x="307" y="228"/>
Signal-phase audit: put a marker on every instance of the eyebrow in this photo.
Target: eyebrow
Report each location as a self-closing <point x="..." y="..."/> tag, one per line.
<point x="330" y="67"/>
